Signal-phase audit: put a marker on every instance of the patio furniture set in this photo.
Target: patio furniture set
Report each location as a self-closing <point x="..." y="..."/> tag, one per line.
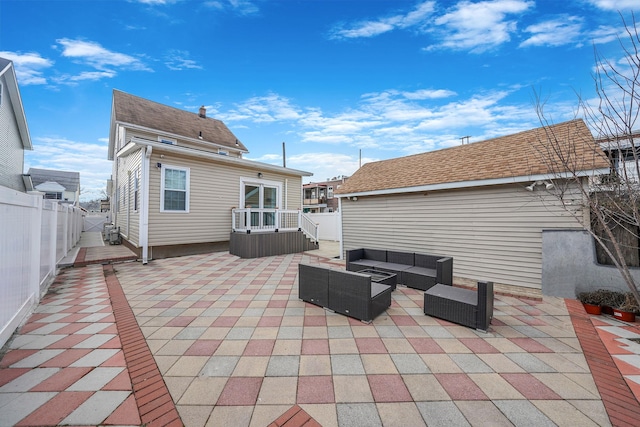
<point x="363" y="291"/>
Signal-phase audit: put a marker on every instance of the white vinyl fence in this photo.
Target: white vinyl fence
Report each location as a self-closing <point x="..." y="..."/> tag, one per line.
<point x="35" y="235"/>
<point x="329" y="225"/>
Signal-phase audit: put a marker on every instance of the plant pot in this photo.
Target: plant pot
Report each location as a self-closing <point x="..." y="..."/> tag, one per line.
<point x="625" y="316"/>
<point x="592" y="308"/>
<point x="606" y="309"/>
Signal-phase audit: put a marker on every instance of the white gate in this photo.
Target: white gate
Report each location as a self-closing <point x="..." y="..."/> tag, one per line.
<point x="93" y="222"/>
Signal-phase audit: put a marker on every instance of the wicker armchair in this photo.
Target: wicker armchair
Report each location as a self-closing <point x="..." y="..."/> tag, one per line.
<point x="472" y="308"/>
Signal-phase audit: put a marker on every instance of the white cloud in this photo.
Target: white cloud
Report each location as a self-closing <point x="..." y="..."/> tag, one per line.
<point x="155" y="2"/>
<point x="416" y="18"/>
<point x="604" y="34"/>
<point x="241" y="7"/>
<point x="554" y="32"/>
<point x="615" y="5"/>
<point x="93" y="54"/>
<point x="28" y="66"/>
<point x="479" y="26"/>
<point x="263" y="109"/>
<point x="429" y="94"/>
<point x="326" y="164"/>
<point x="177" y="60"/>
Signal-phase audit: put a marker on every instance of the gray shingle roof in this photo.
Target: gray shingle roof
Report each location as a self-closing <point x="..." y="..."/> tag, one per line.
<point x="69" y="180"/>
<point x="142" y="112"/>
<point x="517" y="155"/>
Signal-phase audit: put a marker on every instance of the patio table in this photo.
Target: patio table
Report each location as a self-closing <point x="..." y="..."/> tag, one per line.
<point x="382" y="277"/>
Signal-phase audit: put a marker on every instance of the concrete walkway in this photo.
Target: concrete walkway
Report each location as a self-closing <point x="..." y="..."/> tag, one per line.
<point x="218" y="340"/>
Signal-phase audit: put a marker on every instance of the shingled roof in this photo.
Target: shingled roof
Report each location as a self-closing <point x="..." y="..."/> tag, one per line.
<point x="69" y="180"/>
<point x="513" y="158"/>
<point x="138" y="111"/>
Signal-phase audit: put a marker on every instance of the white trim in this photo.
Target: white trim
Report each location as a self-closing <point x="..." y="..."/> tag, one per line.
<point x="237" y="161"/>
<point x="162" y="189"/>
<point x="260" y="183"/>
<point x="478" y="183"/>
<point x="176" y="136"/>
<point x="144" y="206"/>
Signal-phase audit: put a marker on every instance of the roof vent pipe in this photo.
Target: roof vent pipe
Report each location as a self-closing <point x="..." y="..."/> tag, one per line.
<point x="203" y="112"/>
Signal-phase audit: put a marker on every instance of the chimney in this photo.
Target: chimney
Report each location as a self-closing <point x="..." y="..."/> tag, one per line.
<point x="203" y="112"/>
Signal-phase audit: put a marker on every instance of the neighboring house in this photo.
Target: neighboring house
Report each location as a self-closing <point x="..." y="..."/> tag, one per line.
<point x="14" y="133"/>
<point x="471" y="202"/>
<point x="58" y="185"/>
<point x="180" y="184"/>
<point x="319" y="196"/>
<point x="624" y="152"/>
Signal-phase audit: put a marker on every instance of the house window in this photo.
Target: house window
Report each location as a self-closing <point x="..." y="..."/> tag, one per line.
<point x="53" y="196"/>
<point x="136" y="187"/>
<point x="330" y="192"/>
<point x="174" y="192"/>
<point x="166" y="140"/>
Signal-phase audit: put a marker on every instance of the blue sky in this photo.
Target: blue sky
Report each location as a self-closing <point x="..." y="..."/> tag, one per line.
<point x="331" y="78"/>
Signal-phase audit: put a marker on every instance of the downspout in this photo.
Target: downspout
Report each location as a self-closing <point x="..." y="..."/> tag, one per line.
<point x="144" y="205"/>
<point x="340" y="227"/>
<point x="286" y="192"/>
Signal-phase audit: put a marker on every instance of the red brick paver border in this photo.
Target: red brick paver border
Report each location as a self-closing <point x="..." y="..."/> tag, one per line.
<point x="295" y="417"/>
<point x="151" y="394"/>
<point x="618" y="399"/>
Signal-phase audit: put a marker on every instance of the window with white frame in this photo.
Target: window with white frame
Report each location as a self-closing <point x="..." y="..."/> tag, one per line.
<point x="174" y="191"/>
<point x="330" y="191"/>
<point x="136" y="187"/>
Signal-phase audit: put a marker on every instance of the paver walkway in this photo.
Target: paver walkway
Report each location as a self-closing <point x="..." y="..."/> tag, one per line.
<point x="234" y="345"/>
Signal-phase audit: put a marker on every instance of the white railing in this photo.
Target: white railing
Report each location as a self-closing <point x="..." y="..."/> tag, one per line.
<point x="264" y="220"/>
<point x="36" y="235"/>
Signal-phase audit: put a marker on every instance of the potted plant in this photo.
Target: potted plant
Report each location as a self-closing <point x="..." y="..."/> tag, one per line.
<point x="628" y="309"/>
<point x="591" y="301"/>
<point x="609" y="299"/>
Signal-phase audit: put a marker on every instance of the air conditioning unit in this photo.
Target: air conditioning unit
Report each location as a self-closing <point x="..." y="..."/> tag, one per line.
<point x="114" y="236"/>
<point x="106" y="230"/>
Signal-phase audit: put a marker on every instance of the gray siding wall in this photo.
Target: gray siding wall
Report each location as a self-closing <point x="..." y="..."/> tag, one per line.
<point x="11" y="149"/>
<point x="493" y="233"/>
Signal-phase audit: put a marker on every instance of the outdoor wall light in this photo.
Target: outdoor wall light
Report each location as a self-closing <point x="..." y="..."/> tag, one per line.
<point x="547" y="184"/>
<point x="354" y="198"/>
<point x="259" y="174"/>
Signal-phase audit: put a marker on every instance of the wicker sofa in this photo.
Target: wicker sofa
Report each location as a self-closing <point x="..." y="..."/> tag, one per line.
<point x="472" y="308"/>
<point x="420" y="271"/>
<point x="344" y="292"/>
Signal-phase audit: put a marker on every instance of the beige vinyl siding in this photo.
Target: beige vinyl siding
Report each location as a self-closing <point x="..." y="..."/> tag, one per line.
<point x="214" y="189"/>
<point x="127" y="218"/>
<point x="493" y="233"/>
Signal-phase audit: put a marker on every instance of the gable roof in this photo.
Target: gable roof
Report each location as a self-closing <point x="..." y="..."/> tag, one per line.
<point x="507" y="159"/>
<point x="133" y="110"/>
<point x="69" y="180"/>
<point x="7" y="71"/>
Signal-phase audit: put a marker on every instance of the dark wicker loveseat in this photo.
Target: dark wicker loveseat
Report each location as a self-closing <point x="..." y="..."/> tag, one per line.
<point x="472" y="308"/>
<point x="344" y="292"/>
<point x="419" y="271"/>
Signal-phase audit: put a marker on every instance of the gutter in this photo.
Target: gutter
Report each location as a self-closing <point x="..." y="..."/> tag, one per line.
<point x="237" y="161"/>
<point x="476" y="183"/>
